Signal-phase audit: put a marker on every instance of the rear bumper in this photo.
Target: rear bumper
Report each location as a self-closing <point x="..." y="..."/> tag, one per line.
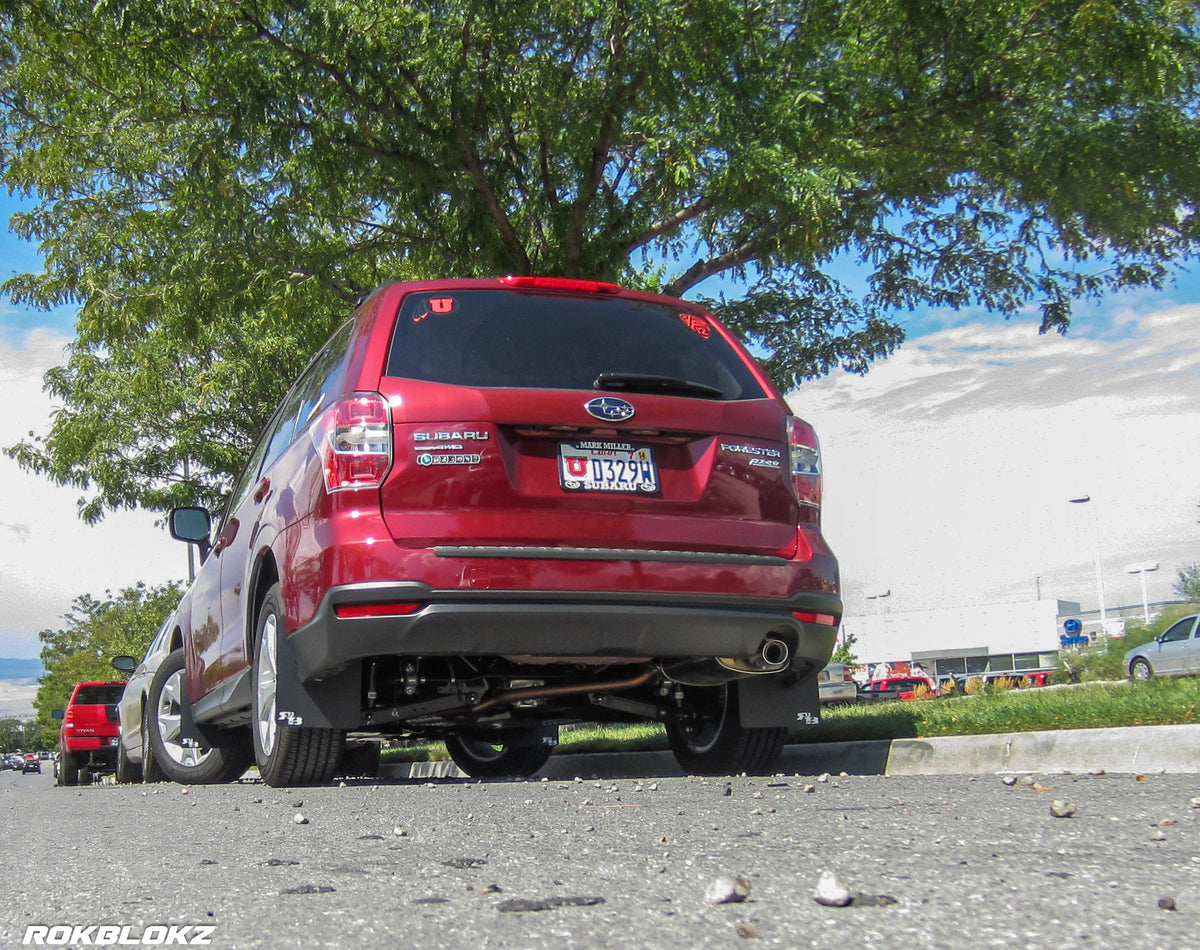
<point x="557" y="624"/>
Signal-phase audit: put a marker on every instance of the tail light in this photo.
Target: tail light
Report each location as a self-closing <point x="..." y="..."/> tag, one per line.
<point x="805" y="455"/>
<point x="354" y="437"/>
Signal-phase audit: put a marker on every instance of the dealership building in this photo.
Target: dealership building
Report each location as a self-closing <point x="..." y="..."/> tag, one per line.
<point x="978" y="640"/>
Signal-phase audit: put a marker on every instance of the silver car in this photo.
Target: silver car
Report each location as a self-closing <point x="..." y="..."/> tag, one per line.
<point x="836" y="685"/>
<point x="137" y="759"/>
<point x="1173" y="653"/>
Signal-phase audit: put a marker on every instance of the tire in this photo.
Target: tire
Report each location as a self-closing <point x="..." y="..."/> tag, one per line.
<point x="1140" y="671"/>
<point x="185" y="764"/>
<point x="286" y="754"/>
<point x="68" y="771"/>
<point x="151" y="770"/>
<point x="127" y="772"/>
<point x="85" y="776"/>
<point x="513" y="753"/>
<point x="713" y="742"/>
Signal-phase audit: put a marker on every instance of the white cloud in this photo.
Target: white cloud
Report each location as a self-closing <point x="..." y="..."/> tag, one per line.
<point x="48" y="557"/>
<point x="948" y="467"/>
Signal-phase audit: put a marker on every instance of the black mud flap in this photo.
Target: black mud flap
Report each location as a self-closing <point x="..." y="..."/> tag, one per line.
<point x="770" y="701"/>
<point x="332" y="702"/>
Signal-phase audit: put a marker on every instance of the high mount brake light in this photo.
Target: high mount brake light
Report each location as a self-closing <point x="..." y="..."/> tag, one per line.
<point x="805" y="455"/>
<point x="354" y="437"/>
<point x="560" y="283"/>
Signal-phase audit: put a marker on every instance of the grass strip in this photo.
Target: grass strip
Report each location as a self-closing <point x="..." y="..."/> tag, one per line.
<point x="1086" y="706"/>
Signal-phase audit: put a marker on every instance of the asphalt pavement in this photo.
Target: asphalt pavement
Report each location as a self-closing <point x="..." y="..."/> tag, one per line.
<point x="1134" y="749"/>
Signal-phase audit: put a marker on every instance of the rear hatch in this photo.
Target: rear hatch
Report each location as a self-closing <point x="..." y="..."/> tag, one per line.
<point x="93" y="710"/>
<point x="581" y="420"/>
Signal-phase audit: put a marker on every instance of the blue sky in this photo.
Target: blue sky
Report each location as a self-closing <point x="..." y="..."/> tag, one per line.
<point x="948" y="467"/>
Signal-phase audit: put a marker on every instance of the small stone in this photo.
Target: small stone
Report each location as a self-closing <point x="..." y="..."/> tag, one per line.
<point x="810" y="789"/>
<point x="823" y="778"/>
<point x="298" y="804"/>
<point x="653" y="786"/>
<point x="728" y="791"/>
<point x="299" y="818"/>
<point x="831" y="890"/>
<point x="1061" y="809"/>
<point x="727" y="890"/>
<point x="400" y="832"/>
<point x="186" y="791"/>
<point x="1009" y="780"/>
<point x="1167" y="903"/>
<point x="1157" y="835"/>
<point x="758" y="794"/>
<point x="1166" y="823"/>
<point x="1195" y="802"/>
<point x="746" y="932"/>
<point x="1027" y="780"/>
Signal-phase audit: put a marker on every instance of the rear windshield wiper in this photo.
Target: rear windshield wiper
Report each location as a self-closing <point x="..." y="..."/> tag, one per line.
<point x="647" y="383"/>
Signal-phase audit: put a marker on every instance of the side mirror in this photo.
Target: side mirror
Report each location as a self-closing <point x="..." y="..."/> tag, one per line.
<point x="56" y="714"/>
<point x="124" y="664"/>
<point x="191" y="525"/>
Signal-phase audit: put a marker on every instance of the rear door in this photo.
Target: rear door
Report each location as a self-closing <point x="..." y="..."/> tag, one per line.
<point x="584" y="420"/>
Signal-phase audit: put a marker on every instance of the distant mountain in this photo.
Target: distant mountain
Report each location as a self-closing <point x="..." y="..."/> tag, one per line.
<point x="15" y="669"/>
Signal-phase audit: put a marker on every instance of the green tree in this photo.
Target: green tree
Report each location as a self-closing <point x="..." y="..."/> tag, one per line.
<point x="217" y="182"/>
<point x="1187" y="584"/>
<point x="844" y="653"/>
<point x="95" y="631"/>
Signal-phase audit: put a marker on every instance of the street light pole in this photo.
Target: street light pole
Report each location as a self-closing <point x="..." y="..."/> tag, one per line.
<point x="1083" y="500"/>
<point x="1141" y="570"/>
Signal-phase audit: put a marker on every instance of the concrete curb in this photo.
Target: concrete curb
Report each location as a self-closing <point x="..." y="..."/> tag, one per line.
<point x="1132" y="749"/>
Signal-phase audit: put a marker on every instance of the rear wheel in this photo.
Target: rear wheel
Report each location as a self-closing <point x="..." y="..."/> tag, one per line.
<point x="127" y="772"/>
<point x="179" y="759"/>
<point x="286" y="754"/>
<point x="1140" y="671"/>
<point x="151" y="770"/>
<point x="513" y="753"/>
<point x="68" y="771"/>
<point x="711" y="741"/>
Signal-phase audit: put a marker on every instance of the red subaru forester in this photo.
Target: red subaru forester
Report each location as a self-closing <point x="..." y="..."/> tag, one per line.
<point x="491" y="507"/>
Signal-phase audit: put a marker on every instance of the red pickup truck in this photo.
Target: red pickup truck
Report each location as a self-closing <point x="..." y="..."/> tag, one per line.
<point x="87" y="741"/>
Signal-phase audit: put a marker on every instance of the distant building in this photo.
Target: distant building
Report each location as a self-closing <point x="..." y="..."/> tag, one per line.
<point x="965" y="641"/>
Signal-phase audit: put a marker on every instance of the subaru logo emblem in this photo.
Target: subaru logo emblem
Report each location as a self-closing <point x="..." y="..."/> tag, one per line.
<point x="609" y="408"/>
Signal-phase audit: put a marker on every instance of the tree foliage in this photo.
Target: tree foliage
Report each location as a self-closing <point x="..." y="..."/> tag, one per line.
<point x="95" y="632"/>
<point x="217" y="182"/>
<point x="1187" y="583"/>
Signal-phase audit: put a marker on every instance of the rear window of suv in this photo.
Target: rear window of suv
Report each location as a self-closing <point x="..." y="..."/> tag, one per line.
<point x="507" y="339"/>
<point x="98" y="695"/>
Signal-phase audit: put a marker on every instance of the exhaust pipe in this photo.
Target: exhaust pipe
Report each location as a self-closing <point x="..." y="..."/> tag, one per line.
<point x="772" y="657"/>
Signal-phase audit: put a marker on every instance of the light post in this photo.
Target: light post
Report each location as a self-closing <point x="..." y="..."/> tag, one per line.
<point x="1141" y="570"/>
<point x="1083" y="500"/>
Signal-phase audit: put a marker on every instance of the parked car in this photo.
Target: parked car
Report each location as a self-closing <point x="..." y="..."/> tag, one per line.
<point x="87" y="740"/>
<point x="31" y="763"/>
<point x="136" y="760"/>
<point x="1174" y="652"/>
<point x="897" y="687"/>
<point x="836" y="685"/>
<point x="489" y="507"/>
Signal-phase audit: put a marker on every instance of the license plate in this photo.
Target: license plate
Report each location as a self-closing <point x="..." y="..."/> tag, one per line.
<point x="607" y="466"/>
